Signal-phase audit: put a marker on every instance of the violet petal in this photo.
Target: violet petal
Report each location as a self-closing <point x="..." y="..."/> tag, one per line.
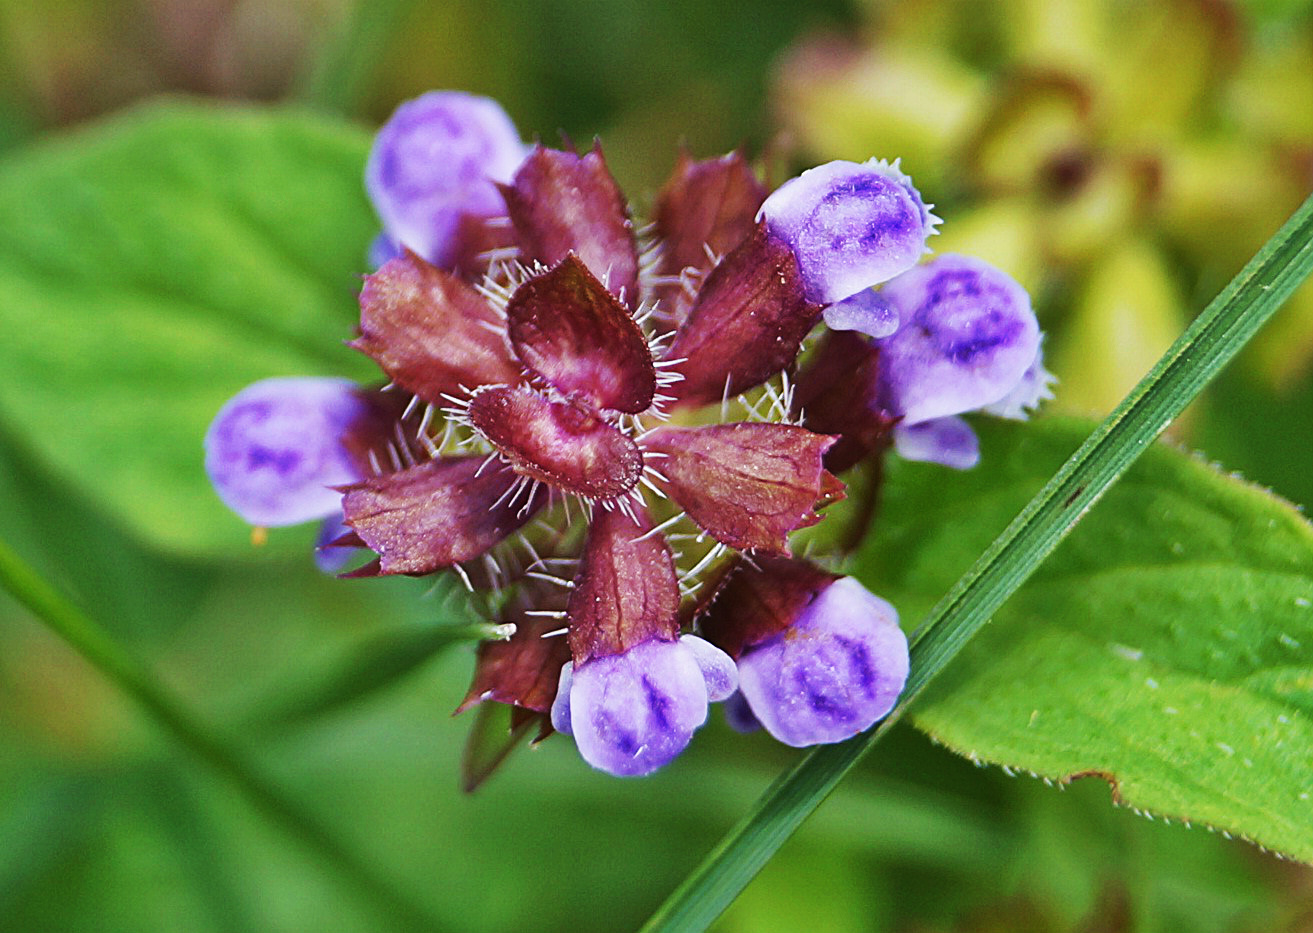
<point x="837" y="670"/>
<point x="439" y="513"/>
<point x="748" y="484"/>
<point x="431" y="332"/>
<point x="851" y="225"/>
<point x="561" y="203"/>
<point x="866" y="312"/>
<point x="557" y="443"/>
<point x="739" y="714"/>
<point x="947" y="441"/>
<point x="276" y="449"/>
<point x="967" y="338"/>
<point x="1035" y="387"/>
<point x="625" y="591"/>
<point x="437" y="159"/>
<point x="330" y="558"/>
<point x="634" y="712"/>
<point x="561" y="704"/>
<point x="566" y="327"/>
<point x="717" y="667"/>
<point x="747" y="325"/>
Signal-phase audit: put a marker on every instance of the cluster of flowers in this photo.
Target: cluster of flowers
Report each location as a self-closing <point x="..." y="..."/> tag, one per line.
<point x="611" y="430"/>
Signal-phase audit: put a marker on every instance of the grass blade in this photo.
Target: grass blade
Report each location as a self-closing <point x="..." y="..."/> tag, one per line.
<point x="1229" y="321"/>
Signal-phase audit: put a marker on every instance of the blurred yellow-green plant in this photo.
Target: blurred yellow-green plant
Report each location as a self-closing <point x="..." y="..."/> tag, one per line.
<point x="1122" y="158"/>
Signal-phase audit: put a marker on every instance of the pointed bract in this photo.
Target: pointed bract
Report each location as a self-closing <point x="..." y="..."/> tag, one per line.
<point x="566" y="327"/>
<point x="837" y="392"/>
<point x="748" y="485"/>
<point x="521" y="671"/>
<point x="625" y="591"/>
<point x="437" y="514"/>
<point x="558" y="443"/>
<point x="431" y="332"/>
<point x="706" y="209"/>
<point x="747" y="324"/>
<point x="561" y="202"/>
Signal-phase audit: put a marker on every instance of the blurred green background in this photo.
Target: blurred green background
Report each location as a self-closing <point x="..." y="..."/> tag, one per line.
<point x="1123" y="181"/>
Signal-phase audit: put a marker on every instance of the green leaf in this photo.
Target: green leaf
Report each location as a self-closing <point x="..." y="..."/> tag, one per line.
<point x="150" y="267"/>
<point x="1164" y="646"/>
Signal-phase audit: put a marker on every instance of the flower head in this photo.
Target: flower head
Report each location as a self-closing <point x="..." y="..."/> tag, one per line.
<point x="589" y="423"/>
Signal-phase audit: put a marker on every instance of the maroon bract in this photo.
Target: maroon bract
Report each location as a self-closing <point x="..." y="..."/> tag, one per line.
<point x="567" y="328"/>
<point x="562" y="202"/>
<point x="566" y="446"/>
<point x="748" y="485"/>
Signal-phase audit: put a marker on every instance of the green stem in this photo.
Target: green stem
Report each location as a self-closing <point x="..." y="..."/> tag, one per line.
<point x="104" y="654"/>
<point x="341" y="75"/>
<point x="1229" y="321"/>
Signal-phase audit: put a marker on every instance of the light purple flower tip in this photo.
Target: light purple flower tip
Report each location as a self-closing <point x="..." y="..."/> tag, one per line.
<point x="327" y="558"/>
<point x="383" y="249"/>
<point x="833" y="673"/>
<point x="947" y="441"/>
<point x="967" y="337"/>
<point x="717" y="667"/>
<point x="851" y="225"/>
<point x="274" y="450"/>
<point x="633" y="712"/>
<point x="866" y="312"/>
<point x="436" y="159"/>
<point x="739" y="714"/>
<point x="1035" y="387"/>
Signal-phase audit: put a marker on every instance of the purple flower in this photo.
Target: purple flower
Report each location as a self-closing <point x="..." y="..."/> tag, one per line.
<point x="436" y="162"/>
<point x="820" y="658"/>
<point x="967" y="338"/>
<point x="595" y="424"/>
<point x="277" y="449"/>
<point x="633" y="712"/>
<point x="851" y="225"/>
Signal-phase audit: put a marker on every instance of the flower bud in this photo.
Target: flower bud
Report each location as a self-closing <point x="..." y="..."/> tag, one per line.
<point x="633" y="712"/>
<point x="851" y="226"/>
<point x="968" y="336"/>
<point x="820" y="658"/>
<point x="835" y="672"/>
<point x="275" y="451"/>
<point x="436" y="160"/>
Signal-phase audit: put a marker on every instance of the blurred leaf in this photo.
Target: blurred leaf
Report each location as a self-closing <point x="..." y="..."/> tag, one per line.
<point x="372" y="664"/>
<point x="151" y="266"/>
<point x="1171" y="628"/>
<point x="1126" y="314"/>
